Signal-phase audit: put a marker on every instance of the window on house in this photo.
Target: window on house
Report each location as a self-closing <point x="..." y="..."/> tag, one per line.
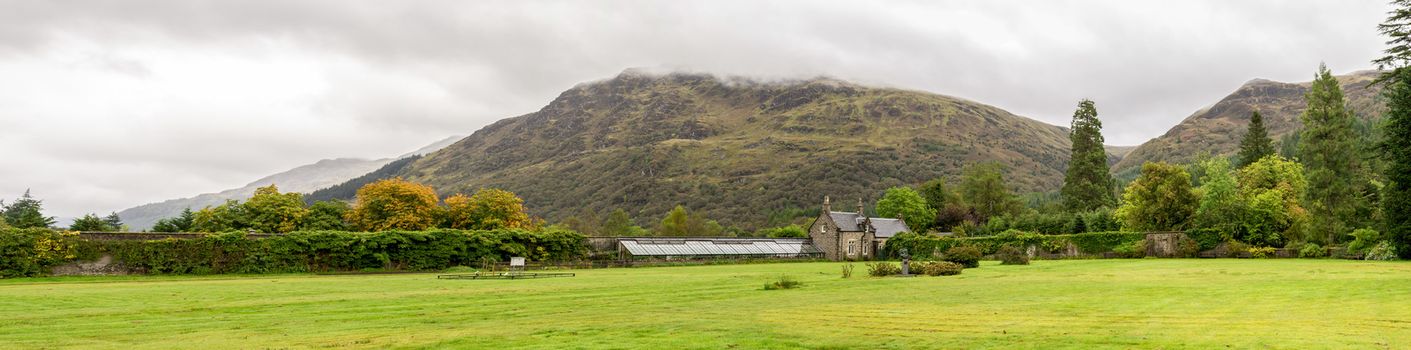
<point x="852" y="247"/>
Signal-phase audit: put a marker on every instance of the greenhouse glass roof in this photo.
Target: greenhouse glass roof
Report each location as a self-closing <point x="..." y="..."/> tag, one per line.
<point x="658" y="246"/>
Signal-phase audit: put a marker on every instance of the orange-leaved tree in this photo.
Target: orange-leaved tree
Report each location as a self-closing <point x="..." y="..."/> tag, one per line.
<point x="394" y="204"/>
<point x="487" y="209"/>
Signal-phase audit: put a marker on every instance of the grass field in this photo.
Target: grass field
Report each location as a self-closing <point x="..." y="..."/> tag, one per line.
<point x="1296" y="304"/>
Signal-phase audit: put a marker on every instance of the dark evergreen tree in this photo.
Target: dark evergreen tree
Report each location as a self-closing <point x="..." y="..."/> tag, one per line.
<point x="113" y="221"/>
<point x="26" y="212"/>
<point x="1256" y="144"/>
<point x="1088" y="184"/>
<point x="90" y="223"/>
<point x="181" y="223"/>
<point x="1396" y="152"/>
<point x="1328" y="149"/>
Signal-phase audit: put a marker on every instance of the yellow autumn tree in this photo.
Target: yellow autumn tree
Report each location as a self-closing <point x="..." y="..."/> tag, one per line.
<point x="487" y="209"/>
<point x="394" y="204"/>
<point x="271" y="211"/>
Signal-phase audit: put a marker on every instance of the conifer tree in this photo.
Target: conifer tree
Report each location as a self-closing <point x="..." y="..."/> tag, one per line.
<point x="1328" y="149"/>
<point x="1088" y="184"/>
<point x="26" y="212"/>
<point x="1256" y="144"/>
<point x="1396" y="151"/>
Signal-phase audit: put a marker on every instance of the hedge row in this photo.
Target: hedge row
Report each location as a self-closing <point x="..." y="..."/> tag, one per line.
<point x="23" y="252"/>
<point x="930" y="246"/>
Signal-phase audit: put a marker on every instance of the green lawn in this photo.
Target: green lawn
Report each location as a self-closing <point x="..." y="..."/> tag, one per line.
<point x="1295" y="304"/>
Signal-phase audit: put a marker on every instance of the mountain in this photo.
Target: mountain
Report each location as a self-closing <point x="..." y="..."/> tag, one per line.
<point x="743" y="152"/>
<point x="1219" y="128"/>
<point x="305" y="178"/>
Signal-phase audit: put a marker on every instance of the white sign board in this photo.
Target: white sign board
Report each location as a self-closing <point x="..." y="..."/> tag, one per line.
<point x="517" y="261"/>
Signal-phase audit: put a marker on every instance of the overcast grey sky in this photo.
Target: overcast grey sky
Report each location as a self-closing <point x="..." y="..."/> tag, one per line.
<point x="106" y="105"/>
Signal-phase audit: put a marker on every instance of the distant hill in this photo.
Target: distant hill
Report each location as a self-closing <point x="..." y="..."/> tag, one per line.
<point x="305" y="178"/>
<point x="1219" y="128"/>
<point x="743" y="152"/>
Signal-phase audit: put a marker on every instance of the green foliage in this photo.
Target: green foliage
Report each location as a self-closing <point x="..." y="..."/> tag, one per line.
<point x="1256" y="143"/>
<point x="1312" y="250"/>
<point x="1011" y="255"/>
<point x="1159" y="200"/>
<point x="984" y="189"/>
<point x="1088" y="184"/>
<point x="32" y="251"/>
<point x="1132" y="249"/>
<point x="1397" y="29"/>
<point x="25" y="212"/>
<point x="273" y="212"/>
<point x="618" y="223"/>
<point x="1261" y="252"/>
<point x="964" y="255"/>
<point x="181" y="223"/>
<point x="847" y="270"/>
<point x="1221" y="207"/>
<point x="222" y="218"/>
<point x="1208" y="238"/>
<point x="300" y="251"/>
<point x="1272" y="190"/>
<point x="1328" y="148"/>
<point x="90" y="222"/>
<point x="783" y="282"/>
<point x="930" y="246"/>
<point x="1395" y="149"/>
<point x="936" y="268"/>
<point x="326" y="216"/>
<point x="790" y="231"/>
<point x="1363" y="239"/>
<point x="938" y="195"/>
<point x="882" y="269"/>
<point x="906" y="203"/>
<point x="114" y="222"/>
<point x="681" y="222"/>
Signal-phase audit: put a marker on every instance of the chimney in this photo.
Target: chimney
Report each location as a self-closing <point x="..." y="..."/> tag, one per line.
<point x="826" y="206"/>
<point x="859" y="206"/>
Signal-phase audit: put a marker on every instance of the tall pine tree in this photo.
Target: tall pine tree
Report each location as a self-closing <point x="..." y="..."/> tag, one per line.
<point x="1396" y="139"/>
<point x="1328" y="148"/>
<point x="26" y="212"/>
<point x="1088" y="184"/>
<point x="1256" y="144"/>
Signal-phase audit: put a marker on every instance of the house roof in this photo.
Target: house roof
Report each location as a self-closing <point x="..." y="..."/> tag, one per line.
<point x="886" y="228"/>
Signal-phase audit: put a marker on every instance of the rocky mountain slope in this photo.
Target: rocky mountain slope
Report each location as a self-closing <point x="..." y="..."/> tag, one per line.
<point x="305" y="178"/>
<point x="1219" y="128"/>
<point x="745" y="153"/>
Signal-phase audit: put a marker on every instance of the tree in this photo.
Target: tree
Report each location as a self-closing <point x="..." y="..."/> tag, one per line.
<point x="1272" y="189"/>
<point x="938" y="195"/>
<point x="181" y="223"/>
<point x="26" y="212"/>
<point x="1088" y="183"/>
<point x="984" y="190"/>
<point x="487" y="209"/>
<point x="1328" y="149"/>
<point x="618" y="223"/>
<point x="586" y="222"/>
<point x="1396" y="151"/>
<point x="1221" y="207"/>
<point x="1397" y="29"/>
<point x="114" y="222"/>
<point x="674" y="224"/>
<point x="1256" y="143"/>
<point x="790" y="231"/>
<point x="89" y="222"/>
<point x="326" y="215"/>
<point x="907" y="204"/>
<point x="394" y="204"/>
<point x="1160" y="199"/>
<point x="274" y="212"/>
<point x="222" y="218"/>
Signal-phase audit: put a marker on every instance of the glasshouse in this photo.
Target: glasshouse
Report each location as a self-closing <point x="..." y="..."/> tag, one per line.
<point x="716" y="248"/>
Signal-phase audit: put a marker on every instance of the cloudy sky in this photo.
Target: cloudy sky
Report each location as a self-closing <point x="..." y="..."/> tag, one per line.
<point x="105" y="105"/>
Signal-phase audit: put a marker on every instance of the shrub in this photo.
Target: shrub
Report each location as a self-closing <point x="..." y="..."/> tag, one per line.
<point x="882" y="269"/>
<point x="31" y="252"/>
<point x="847" y="270"/>
<point x="1261" y="252"/>
<point x="783" y="282"/>
<point x="1133" y="249"/>
<point x="931" y="246"/>
<point x="937" y="268"/>
<point x="1187" y="248"/>
<point x="1363" y="239"/>
<point x="964" y="255"/>
<point x="1234" y="248"/>
<point x="1312" y="250"/>
<point x="1208" y="238"/>
<point x="1382" y="251"/>
<point x="1011" y="255"/>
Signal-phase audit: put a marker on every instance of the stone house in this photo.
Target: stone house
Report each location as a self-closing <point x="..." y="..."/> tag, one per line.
<point x="852" y="235"/>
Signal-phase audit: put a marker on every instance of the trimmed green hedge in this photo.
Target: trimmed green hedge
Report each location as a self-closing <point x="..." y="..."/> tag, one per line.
<point x="929" y="246"/>
<point x="310" y="251"/>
